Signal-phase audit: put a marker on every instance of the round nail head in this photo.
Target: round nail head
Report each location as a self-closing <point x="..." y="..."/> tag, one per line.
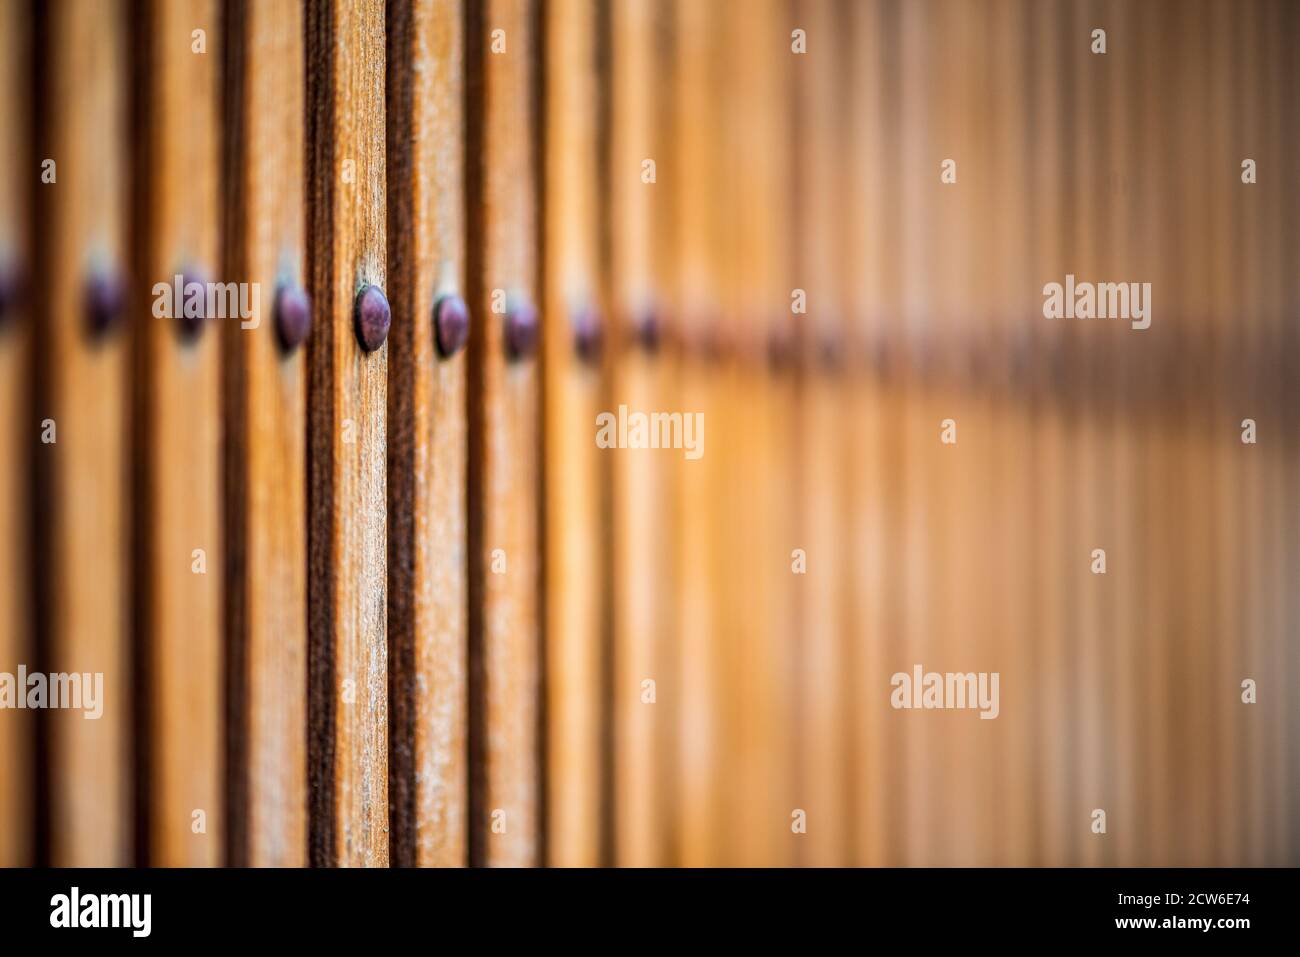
<point x="10" y="291"/>
<point x="521" y="329"/>
<point x="192" y="310"/>
<point x="450" y="325"/>
<point x="648" y="330"/>
<point x="588" y="333"/>
<point x="372" y="317"/>
<point x="292" y="316"/>
<point x="104" y="302"/>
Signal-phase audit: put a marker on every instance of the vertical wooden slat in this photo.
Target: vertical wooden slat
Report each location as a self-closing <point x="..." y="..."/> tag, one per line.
<point x="265" y="393"/>
<point x="870" y="524"/>
<point x="1047" y="505"/>
<point x="961" y="582"/>
<point x="178" y="413"/>
<point x="427" y="614"/>
<point x="1123" y="483"/>
<point x="1013" y="310"/>
<point x="1290" y="372"/>
<point x="1279" y="206"/>
<point x="724" y="344"/>
<point x="1088" y="527"/>
<point x="1200" y="707"/>
<point x="17" y="162"/>
<point x="347" y="409"/>
<point x="643" y="481"/>
<point x="504" y="414"/>
<point x="918" y="174"/>
<point x="822" y="743"/>
<point x="1247" y="33"/>
<point x="575" y="467"/>
<point x="699" y="733"/>
<point x="1224" y="441"/>
<point x="763" y="639"/>
<point x="82" y="393"/>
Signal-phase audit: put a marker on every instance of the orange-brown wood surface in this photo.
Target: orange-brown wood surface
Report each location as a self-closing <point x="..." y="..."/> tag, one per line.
<point x="698" y="808"/>
<point x="575" y="543"/>
<point x="504" y="425"/>
<point x="646" y="682"/>
<point x="765" y="415"/>
<point x="366" y="601"/>
<point x="17" y="435"/>
<point x="82" y="396"/>
<point x="347" y="410"/>
<point x="1048" y="506"/>
<point x="177" y="417"/>
<point x="870" y="290"/>
<point x="427" y="583"/>
<point x="265" y="440"/>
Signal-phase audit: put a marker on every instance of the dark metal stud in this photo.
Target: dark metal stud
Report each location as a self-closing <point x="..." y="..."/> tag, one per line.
<point x="649" y="330"/>
<point x="193" y="283"/>
<point x="520" y="329"/>
<point x="450" y="324"/>
<point x="11" y="290"/>
<point x="781" y="346"/>
<point x="104" y="301"/>
<point x="372" y="317"/>
<point x="292" y="316"/>
<point x="588" y="333"/>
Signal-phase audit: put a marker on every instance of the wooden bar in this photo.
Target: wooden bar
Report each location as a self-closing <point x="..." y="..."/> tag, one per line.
<point x="724" y="342"/>
<point x="961" y="584"/>
<point x="635" y="475"/>
<point x="575" y="486"/>
<point x="78" y="428"/>
<point x="1048" y="505"/>
<point x="265" y="410"/>
<point x="1197" y="437"/>
<point x="427" y="438"/>
<point x="819" y="643"/>
<point x="920" y="432"/>
<point x="1088" y="591"/>
<point x="347" y="436"/>
<point x="871" y="295"/>
<point x="17" y="639"/>
<point x="1290" y="294"/>
<point x="1277" y="408"/>
<point x="178" y="505"/>
<point x="1224" y="440"/>
<point x="501" y="178"/>
<point x="698" y="803"/>
<point x="763" y="642"/>
<point x="1248" y="30"/>
<point x="1013" y="310"/>
<point x="1123" y="483"/>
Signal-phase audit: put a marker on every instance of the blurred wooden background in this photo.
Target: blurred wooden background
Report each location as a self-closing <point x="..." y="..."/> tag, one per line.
<point x="390" y="603"/>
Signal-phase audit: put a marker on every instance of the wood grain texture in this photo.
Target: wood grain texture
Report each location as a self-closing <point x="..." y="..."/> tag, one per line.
<point x="501" y="179"/>
<point x="641" y="373"/>
<point x="1048" y="505"/>
<point x="265" y="402"/>
<point x="81" y="525"/>
<point x="576" y="557"/>
<point x="347" y="451"/>
<point x="177" y="413"/>
<point x="764" y="417"/>
<point x="17" y="431"/>
<point x="427" y="441"/>
<point x="872" y="397"/>
<point x="922" y="414"/>
<point x="699" y="810"/>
